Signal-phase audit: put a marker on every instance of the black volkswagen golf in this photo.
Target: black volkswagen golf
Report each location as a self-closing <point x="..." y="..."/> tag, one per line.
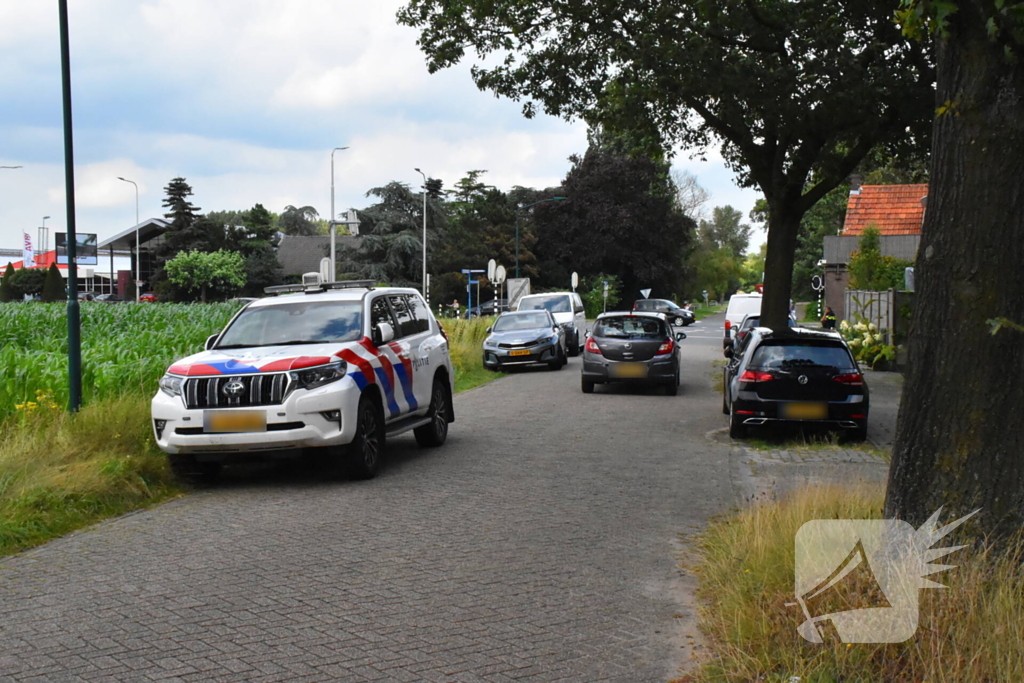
<point x="799" y="375"/>
<point x="632" y="347"/>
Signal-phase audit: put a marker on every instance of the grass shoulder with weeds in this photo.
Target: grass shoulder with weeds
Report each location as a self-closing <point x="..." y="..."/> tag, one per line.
<point x="61" y="472"/>
<point x="971" y="632"/>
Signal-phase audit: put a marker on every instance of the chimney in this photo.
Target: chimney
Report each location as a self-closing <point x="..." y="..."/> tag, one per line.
<point x="856" y="180"/>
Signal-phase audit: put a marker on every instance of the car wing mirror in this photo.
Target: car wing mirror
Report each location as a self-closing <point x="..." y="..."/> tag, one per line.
<point x="728" y="352"/>
<point x="490" y="329"/>
<point x="383" y="333"/>
<point x="210" y="341"/>
<point x="680" y="336"/>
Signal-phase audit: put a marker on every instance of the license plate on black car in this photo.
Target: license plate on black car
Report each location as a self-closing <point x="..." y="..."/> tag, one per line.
<point x="804" y="410"/>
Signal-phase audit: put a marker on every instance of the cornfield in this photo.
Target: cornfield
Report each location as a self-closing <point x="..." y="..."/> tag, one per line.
<point x="125" y="348"/>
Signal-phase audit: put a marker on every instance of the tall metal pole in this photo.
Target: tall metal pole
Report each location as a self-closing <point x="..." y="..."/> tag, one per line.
<point x="523" y="208"/>
<point x="74" y="323"/>
<point x="138" y="249"/>
<point x="334" y="262"/>
<point x="424" y="230"/>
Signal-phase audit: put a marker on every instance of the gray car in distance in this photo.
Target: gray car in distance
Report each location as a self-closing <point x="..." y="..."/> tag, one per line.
<point x="632" y="347"/>
<point x="521" y="338"/>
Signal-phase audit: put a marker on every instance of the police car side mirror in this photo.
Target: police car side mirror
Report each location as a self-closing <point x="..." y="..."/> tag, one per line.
<point x="383" y="333"/>
<point x="210" y="340"/>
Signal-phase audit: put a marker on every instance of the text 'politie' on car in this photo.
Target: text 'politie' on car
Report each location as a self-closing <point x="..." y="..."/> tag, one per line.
<point x="338" y="366"/>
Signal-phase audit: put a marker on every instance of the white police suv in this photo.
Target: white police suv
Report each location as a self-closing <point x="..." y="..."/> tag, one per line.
<point x="339" y="365"/>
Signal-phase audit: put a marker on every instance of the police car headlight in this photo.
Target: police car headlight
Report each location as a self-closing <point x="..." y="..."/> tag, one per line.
<point x="171" y="384"/>
<point x="319" y="376"/>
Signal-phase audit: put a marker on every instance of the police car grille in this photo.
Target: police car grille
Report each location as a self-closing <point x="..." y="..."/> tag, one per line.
<point x="258" y="390"/>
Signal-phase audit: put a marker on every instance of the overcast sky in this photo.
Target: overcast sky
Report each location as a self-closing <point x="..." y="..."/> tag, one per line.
<point x="245" y="99"/>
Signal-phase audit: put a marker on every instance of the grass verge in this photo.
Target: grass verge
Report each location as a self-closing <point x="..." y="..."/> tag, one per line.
<point x="59" y="473"/>
<point x="970" y="633"/>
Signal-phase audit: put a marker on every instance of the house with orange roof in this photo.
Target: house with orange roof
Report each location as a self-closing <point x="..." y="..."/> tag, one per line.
<point x="896" y="210"/>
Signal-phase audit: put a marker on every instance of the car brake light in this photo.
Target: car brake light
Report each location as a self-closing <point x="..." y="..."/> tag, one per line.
<point x="853" y="378"/>
<point x="728" y="325"/>
<point x="591" y="346"/>
<point x="443" y="333"/>
<point x="665" y="348"/>
<point x="756" y="376"/>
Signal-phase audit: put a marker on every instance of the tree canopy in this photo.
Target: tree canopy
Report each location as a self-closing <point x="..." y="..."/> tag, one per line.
<point x="795" y="93"/>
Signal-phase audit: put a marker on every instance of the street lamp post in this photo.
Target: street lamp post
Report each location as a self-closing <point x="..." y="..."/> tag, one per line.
<point x="334" y="266"/>
<point x="138" y="248"/>
<point x="44" y="238"/>
<point x="521" y="208"/>
<point x="424" y="230"/>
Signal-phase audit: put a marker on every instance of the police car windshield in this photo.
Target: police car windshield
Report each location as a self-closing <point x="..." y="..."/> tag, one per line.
<point x="298" y="322"/>
<point x="521" y="321"/>
<point x="555" y="304"/>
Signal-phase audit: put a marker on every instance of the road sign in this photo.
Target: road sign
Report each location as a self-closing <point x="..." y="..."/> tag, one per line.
<point x="816" y="284"/>
<point x="499" y="275"/>
<point x="575" y="281"/>
<point x="517" y="289"/>
<point x="491" y="266"/>
<point x="645" y="292"/>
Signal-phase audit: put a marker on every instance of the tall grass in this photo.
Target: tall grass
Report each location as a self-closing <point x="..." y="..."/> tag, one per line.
<point x="972" y="632"/>
<point x="125" y="347"/>
<point x="465" y="341"/>
<point x="60" y="472"/>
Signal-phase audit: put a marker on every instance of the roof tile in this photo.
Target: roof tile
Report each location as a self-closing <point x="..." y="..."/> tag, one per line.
<point x="893" y="209"/>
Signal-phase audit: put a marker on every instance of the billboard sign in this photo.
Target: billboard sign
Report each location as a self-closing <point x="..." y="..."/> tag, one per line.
<point x="85" y="248"/>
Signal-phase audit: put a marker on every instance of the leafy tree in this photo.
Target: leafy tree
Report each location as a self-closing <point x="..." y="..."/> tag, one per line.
<point x="870" y="270"/>
<point x="594" y="297"/>
<point x="27" y="281"/>
<point x="794" y="92"/>
<point x="6" y="289"/>
<point x="959" y="436"/>
<point x="222" y="272"/>
<point x="262" y="269"/>
<point x="53" y="285"/>
<point x="299" y="221"/>
<point x="716" y="270"/>
<point x="391" y="249"/>
<point x="725" y="230"/>
<point x="620" y="218"/>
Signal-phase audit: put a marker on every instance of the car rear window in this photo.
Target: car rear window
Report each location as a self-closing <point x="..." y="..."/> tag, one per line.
<point x="632" y="327"/>
<point x="784" y="353"/>
<point x="558" y="303"/>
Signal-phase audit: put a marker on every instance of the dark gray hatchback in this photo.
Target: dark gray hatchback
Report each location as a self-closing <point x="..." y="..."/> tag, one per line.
<point x="632" y="347"/>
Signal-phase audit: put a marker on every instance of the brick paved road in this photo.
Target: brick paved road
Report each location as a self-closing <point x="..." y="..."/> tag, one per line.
<point x="540" y="543"/>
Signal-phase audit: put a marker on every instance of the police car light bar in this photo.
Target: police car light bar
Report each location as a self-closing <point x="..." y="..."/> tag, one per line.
<point x="311" y="282"/>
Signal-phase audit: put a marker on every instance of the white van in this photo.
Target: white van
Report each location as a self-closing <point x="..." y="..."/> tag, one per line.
<point x="567" y="309"/>
<point x="740" y="306"/>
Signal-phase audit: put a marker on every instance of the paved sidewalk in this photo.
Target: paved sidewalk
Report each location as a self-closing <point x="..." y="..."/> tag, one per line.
<point x="886" y="390"/>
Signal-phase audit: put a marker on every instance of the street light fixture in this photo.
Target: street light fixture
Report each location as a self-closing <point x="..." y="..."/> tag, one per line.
<point x="138" y="250"/>
<point x="44" y="240"/>
<point x="334" y="266"/>
<point x="424" y="231"/>
<point x="521" y="208"/>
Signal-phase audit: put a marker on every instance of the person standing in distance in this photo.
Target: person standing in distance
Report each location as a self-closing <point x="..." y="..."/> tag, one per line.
<point x="828" y="321"/>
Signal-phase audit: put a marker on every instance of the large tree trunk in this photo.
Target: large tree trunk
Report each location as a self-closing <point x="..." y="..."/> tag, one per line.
<point x="960" y="433"/>
<point x="783" y="226"/>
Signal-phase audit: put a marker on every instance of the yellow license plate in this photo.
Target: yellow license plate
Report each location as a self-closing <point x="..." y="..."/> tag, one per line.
<point x="629" y="370"/>
<point x="215" y="421"/>
<point x="519" y="352"/>
<point x="804" y="410"/>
